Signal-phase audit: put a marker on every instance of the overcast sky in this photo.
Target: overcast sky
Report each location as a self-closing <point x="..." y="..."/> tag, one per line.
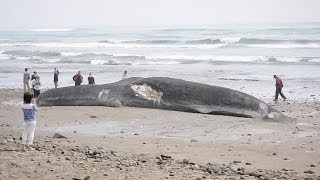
<point x="100" y="13"/>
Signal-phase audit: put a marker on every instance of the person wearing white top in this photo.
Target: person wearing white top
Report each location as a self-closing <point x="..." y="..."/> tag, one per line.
<point x="28" y="110"/>
<point x="36" y="86"/>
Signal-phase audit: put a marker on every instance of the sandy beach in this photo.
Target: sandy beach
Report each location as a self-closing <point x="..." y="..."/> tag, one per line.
<point x="137" y="143"/>
<point x="211" y="56"/>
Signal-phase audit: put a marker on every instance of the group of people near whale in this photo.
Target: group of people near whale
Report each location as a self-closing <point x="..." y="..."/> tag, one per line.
<point x="34" y="80"/>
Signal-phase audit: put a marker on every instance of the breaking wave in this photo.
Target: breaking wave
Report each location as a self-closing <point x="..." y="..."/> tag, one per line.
<point x="276" y="41"/>
<point x="32" y="53"/>
<point x="167" y="43"/>
<point x="136" y="59"/>
<point x="223" y="42"/>
<point x="204" y="41"/>
<point x="50" y="30"/>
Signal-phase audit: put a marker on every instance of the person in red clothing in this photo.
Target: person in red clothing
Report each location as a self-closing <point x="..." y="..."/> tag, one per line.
<point x="279" y="86"/>
<point x="78" y="79"/>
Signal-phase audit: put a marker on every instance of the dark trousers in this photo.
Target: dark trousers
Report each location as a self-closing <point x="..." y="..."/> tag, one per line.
<point x="279" y="91"/>
<point x="36" y="93"/>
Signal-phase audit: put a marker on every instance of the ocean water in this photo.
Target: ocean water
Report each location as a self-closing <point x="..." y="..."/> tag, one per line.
<point x="241" y="57"/>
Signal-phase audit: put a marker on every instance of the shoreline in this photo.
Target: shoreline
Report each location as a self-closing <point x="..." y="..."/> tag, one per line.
<point x="138" y="143"/>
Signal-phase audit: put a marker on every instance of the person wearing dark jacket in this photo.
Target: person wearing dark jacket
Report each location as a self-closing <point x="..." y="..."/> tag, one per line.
<point x="55" y="77"/>
<point x="91" y="79"/>
<point x="34" y="75"/>
<point x="279" y="86"/>
<point x="78" y="79"/>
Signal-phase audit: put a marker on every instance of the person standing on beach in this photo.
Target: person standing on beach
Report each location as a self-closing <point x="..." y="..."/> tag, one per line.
<point x="78" y="79"/>
<point x="124" y="76"/>
<point x="28" y="109"/>
<point x="279" y="86"/>
<point x="26" y="79"/>
<point x="36" y="86"/>
<point x="91" y="79"/>
<point x="55" y="77"/>
<point x="34" y="75"/>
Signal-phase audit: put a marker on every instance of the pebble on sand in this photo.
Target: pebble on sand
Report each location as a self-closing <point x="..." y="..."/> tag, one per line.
<point x="309" y="172"/>
<point x="57" y="135"/>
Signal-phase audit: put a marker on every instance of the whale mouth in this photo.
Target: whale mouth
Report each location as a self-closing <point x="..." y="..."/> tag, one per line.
<point x="234" y="114"/>
<point x="215" y="110"/>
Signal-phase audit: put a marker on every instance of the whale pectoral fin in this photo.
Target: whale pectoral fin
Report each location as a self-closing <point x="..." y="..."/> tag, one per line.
<point x="111" y="102"/>
<point x="203" y="110"/>
<point x="106" y="99"/>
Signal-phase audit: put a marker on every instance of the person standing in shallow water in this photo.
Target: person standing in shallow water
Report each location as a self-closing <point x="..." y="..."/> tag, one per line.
<point x="279" y="86"/>
<point x="78" y="79"/>
<point x="91" y="79"/>
<point x="26" y="79"/>
<point x="55" y="77"/>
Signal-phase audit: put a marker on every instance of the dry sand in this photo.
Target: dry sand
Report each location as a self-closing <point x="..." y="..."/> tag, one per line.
<point x="137" y="143"/>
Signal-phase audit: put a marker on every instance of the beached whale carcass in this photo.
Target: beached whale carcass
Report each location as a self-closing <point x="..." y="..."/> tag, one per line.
<point x="163" y="93"/>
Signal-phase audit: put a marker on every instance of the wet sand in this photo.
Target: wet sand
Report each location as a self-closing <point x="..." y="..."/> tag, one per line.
<point x="137" y="143"/>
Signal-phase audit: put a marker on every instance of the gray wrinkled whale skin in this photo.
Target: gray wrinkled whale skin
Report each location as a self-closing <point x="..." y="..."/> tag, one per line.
<point x="163" y="93"/>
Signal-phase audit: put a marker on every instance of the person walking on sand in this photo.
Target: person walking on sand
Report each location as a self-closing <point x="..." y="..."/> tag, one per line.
<point x="279" y="86"/>
<point x="91" y="79"/>
<point x="55" y="77"/>
<point x="36" y="86"/>
<point x="28" y="109"/>
<point x="26" y="79"/>
<point x="78" y="79"/>
<point x="124" y="76"/>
